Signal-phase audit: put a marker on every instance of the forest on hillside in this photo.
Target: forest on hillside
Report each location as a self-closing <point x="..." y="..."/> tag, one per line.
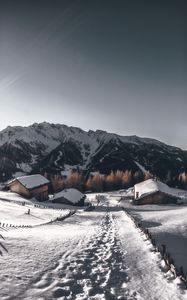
<point x="116" y="180"/>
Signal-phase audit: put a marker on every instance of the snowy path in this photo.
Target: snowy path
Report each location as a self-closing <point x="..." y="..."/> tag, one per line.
<point x="94" y="255"/>
<point x="96" y="272"/>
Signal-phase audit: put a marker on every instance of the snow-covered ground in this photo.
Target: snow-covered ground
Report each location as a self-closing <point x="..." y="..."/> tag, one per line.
<point x="13" y="197"/>
<point x="14" y="214"/>
<point x="97" y="255"/>
<point x="168" y="225"/>
<point x="16" y="198"/>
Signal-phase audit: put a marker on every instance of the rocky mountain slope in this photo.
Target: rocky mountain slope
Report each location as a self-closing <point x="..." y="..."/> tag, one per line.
<point x="58" y="148"/>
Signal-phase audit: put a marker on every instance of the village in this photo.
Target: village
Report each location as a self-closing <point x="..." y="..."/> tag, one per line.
<point x="150" y="191"/>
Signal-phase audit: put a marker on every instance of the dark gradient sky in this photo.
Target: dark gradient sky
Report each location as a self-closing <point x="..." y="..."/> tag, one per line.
<point x="119" y="66"/>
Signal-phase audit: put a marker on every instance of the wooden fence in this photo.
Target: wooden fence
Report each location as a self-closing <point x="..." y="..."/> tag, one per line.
<point x="169" y="261"/>
<point x="7" y="226"/>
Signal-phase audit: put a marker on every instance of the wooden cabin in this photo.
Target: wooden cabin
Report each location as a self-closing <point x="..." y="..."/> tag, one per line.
<point x="153" y="191"/>
<point x="70" y="196"/>
<point x="30" y="186"/>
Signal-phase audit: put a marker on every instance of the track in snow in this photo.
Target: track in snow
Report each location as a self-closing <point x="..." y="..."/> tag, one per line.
<point x="92" y="265"/>
<point x="96" y="272"/>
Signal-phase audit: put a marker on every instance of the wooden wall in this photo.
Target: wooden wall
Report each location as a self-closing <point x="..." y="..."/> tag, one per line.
<point x="41" y="193"/>
<point x="65" y="201"/>
<point x="157" y="198"/>
<point x="18" y="188"/>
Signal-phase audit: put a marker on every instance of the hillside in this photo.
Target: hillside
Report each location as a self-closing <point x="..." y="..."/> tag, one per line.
<point x="58" y="148"/>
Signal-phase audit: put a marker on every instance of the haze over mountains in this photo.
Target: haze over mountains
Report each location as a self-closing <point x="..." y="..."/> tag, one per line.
<point x="56" y="149"/>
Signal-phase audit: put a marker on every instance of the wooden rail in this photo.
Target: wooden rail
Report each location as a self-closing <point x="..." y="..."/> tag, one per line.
<point x="6" y="226"/>
<point x="169" y="261"/>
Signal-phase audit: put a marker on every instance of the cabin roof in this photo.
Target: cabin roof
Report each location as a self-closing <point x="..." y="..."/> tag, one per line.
<point x="72" y="195"/>
<point x="152" y="186"/>
<point x="31" y="181"/>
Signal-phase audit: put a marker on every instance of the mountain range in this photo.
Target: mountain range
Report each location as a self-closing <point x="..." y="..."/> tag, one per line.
<point x="57" y="149"/>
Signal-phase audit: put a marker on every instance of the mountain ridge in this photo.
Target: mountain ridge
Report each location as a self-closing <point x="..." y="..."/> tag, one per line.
<point x="54" y="148"/>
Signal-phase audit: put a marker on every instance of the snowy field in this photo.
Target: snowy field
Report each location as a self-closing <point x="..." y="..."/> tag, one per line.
<point x="91" y="255"/>
<point x="168" y="225"/>
<point x="13" y="213"/>
<point x="13" y="197"/>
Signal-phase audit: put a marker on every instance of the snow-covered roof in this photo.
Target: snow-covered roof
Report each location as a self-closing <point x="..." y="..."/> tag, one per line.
<point x="152" y="186"/>
<point x="31" y="181"/>
<point x="72" y="195"/>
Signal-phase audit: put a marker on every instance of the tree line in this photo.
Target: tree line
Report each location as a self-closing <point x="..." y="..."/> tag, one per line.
<point x="97" y="182"/>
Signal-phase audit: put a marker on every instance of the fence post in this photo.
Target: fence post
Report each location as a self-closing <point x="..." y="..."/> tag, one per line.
<point x="181" y="271"/>
<point x="163" y="250"/>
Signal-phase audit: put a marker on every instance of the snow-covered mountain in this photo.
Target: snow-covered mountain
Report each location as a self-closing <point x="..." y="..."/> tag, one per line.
<point x="59" y="148"/>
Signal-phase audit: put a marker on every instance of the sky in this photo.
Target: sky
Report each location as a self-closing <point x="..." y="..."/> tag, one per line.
<point x="119" y="66"/>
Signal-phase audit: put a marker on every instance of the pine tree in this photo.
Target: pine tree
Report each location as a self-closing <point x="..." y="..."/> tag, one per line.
<point x="74" y="180"/>
<point x="97" y="183"/>
<point x="183" y="179"/>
